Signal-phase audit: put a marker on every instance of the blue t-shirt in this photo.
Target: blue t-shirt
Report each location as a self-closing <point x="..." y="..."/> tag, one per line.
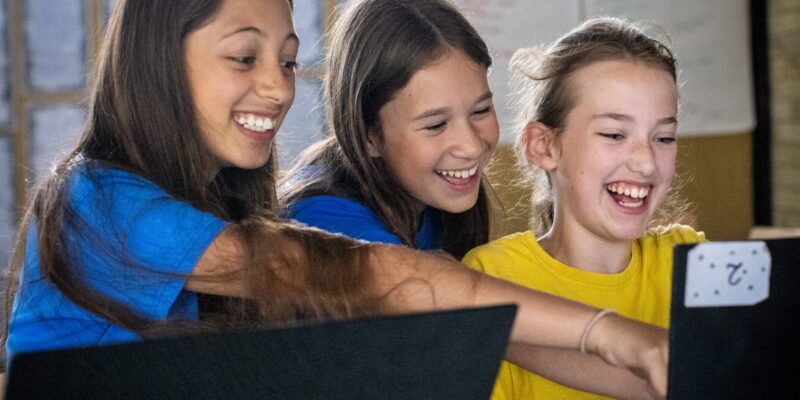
<point x="137" y="246"/>
<point x="353" y="219"/>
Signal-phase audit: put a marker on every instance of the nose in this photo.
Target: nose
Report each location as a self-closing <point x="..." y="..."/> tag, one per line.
<point x="469" y="142"/>
<point x="275" y="83"/>
<point x="642" y="160"/>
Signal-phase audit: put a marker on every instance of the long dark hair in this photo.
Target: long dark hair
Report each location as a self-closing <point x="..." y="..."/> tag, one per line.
<point x="376" y="46"/>
<point x="142" y="120"/>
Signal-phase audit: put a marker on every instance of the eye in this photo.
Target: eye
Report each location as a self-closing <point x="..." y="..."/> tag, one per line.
<point x="436" y="127"/>
<point x="245" y="60"/>
<point x="666" y="140"/>
<point x="484" y="110"/>
<point x="613" y="136"/>
<point x="289" y="65"/>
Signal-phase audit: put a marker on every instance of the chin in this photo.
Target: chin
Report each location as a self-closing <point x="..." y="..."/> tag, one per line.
<point x="453" y="204"/>
<point x="255" y="164"/>
<point x="457" y="209"/>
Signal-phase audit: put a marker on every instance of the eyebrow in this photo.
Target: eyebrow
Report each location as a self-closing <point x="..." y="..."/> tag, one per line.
<point x="628" y="118"/>
<point x="442" y="110"/>
<point x="253" y="29"/>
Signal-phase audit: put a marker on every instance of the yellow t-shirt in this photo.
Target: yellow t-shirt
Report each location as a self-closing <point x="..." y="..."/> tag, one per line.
<point x="642" y="291"/>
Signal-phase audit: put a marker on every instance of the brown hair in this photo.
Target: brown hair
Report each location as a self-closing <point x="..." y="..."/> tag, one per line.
<point x="542" y="91"/>
<point x="376" y="46"/>
<point x="141" y="110"/>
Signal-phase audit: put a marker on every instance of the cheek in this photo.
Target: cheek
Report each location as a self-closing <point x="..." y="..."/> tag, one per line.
<point x="400" y="162"/>
<point x="290" y="89"/>
<point x="667" y="163"/>
<point x="416" y="160"/>
<point x="491" y="132"/>
<point x="211" y="101"/>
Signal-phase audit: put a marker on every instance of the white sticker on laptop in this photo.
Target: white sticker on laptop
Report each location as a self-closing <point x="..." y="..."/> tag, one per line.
<point x="727" y="274"/>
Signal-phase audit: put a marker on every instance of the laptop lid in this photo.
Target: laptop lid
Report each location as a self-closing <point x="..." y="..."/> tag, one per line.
<point x="439" y="355"/>
<point x="735" y="322"/>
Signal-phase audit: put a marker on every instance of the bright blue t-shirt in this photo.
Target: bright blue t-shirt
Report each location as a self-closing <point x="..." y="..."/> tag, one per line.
<point x="137" y="246"/>
<point x="351" y="218"/>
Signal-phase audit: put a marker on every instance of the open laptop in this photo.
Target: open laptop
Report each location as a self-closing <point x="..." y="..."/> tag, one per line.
<point x="735" y="323"/>
<point x="440" y="355"/>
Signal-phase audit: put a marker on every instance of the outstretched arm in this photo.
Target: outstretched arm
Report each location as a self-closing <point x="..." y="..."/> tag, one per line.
<point x="406" y="280"/>
<point x="584" y="372"/>
<point x="542" y="319"/>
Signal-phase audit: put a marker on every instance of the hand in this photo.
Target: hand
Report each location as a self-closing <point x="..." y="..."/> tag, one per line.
<point x="641" y="348"/>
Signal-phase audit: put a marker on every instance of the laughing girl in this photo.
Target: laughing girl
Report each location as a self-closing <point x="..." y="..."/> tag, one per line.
<point x="413" y="126"/>
<point x="170" y="194"/>
<point x="598" y="116"/>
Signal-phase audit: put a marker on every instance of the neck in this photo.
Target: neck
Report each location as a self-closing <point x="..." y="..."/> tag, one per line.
<point x="583" y="250"/>
<point x="419" y="207"/>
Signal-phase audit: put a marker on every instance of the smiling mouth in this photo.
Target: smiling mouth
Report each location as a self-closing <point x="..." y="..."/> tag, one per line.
<point x="628" y="195"/>
<point x="458" y="173"/>
<point x="460" y="179"/>
<point x="254" y="123"/>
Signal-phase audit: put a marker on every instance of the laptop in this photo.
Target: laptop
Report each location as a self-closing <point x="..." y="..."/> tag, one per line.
<point x="439" y="355"/>
<point x="735" y="322"/>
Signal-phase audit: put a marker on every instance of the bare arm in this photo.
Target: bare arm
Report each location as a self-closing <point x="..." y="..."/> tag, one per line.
<point x="542" y="320"/>
<point x="220" y="271"/>
<point x="408" y="281"/>
<point x="580" y="371"/>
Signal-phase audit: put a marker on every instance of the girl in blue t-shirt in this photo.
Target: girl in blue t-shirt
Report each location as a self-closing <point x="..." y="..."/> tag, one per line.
<point x="412" y="128"/>
<point x="170" y="194"/>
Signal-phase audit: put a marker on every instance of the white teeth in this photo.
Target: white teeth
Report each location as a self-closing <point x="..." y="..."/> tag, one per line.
<point x="631" y="205"/>
<point x="255" y="123"/>
<point x="463" y="173"/>
<point x="631" y="191"/>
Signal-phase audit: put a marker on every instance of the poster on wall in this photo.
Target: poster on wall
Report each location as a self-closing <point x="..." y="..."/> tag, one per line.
<point x="711" y="40"/>
<point x="507" y="25"/>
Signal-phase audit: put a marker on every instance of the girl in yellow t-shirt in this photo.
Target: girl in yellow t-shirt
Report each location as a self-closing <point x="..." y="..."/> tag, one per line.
<point x="597" y="115"/>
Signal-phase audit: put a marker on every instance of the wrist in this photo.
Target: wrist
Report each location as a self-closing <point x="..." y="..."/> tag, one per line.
<point x="587" y="346"/>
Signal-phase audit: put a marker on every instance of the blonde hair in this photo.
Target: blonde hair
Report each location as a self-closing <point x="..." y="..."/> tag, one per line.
<point x="541" y="91"/>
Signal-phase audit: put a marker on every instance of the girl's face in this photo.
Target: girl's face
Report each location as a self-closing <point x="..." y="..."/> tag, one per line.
<point x="615" y="159"/>
<point x="439" y="132"/>
<point x="241" y="73"/>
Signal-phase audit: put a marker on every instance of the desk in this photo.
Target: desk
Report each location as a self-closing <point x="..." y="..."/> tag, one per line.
<point x="773" y="232"/>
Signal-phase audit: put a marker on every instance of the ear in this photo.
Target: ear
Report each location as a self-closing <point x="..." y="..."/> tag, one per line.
<point x="374" y="145"/>
<point x="540" y="145"/>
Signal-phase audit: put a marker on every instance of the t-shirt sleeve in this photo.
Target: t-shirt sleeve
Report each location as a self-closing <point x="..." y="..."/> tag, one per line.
<point x="473" y="259"/>
<point x="342" y="216"/>
<point x="135" y="243"/>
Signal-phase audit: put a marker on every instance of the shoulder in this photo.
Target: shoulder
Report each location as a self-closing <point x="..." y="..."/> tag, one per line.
<point x="340" y="215"/>
<point x="326" y="206"/>
<point x="99" y="189"/>
<point x="118" y="204"/>
<point x="95" y="190"/>
<point x="669" y="235"/>
<point x="91" y="178"/>
<point x="507" y="248"/>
